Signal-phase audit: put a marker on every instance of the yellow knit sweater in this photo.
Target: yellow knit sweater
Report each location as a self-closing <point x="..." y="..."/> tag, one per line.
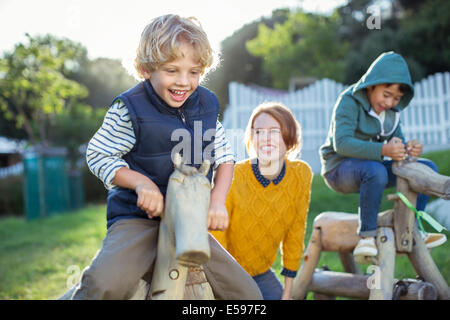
<point x="262" y="218"/>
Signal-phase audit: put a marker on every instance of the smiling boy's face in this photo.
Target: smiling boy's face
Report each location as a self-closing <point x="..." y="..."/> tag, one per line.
<point x="383" y="97"/>
<point x="176" y="80"/>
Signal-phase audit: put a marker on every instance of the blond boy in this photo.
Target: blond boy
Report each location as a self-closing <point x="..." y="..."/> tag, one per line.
<point x="132" y="154"/>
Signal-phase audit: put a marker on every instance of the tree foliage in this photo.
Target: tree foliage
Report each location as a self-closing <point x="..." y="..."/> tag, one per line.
<point x="34" y="87"/>
<point x="105" y="79"/>
<point x="237" y="64"/>
<point x="304" y="45"/>
<point x="292" y="43"/>
<point x="52" y="94"/>
<point x="424" y="35"/>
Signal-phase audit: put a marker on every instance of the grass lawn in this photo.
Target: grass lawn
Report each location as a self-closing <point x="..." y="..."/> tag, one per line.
<point x="39" y="259"/>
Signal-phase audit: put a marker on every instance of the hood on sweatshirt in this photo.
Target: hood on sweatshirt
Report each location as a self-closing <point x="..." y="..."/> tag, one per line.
<point x="389" y="67"/>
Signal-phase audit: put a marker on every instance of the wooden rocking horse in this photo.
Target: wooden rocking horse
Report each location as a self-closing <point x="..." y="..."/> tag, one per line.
<point x="183" y="239"/>
<point x="183" y="236"/>
<point x="397" y="232"/>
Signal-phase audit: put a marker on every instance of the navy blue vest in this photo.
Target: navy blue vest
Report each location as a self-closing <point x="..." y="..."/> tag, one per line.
<point x="154" y="123"/>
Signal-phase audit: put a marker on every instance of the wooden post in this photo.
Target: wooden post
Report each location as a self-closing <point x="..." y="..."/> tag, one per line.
<point x="383" y="278"/>
<point x="349" y="264"/>
<point x="340" y="284"/>
<point x="142" y="291"/>
<point x="310" y="261"/>
<point x="404" y="217"/>
<point x="169" y="277"/>
<point x="425" y="267"/>
<point x="348" y="285"/>
<point x="416" y="290"/>
<point x="197" y="286"/>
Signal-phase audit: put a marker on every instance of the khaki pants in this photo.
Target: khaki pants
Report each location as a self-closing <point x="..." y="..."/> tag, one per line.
<point x="128" y="254"/>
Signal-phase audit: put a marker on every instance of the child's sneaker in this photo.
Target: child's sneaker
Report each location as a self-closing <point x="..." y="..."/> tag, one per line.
<point x="433" y="239"/>
<point x="366" y="247"/>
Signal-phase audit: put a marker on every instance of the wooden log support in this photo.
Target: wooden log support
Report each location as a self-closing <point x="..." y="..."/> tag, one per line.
<point x="348" y="262"/>
<point x="422" y="179"/>
<point x="336" y="232"/>
<point x="426" y="268"/>
<point x="142" y="291"/>
<point x="319" y="296"/>
<point x="383" y="278"/>
<point x="412" y="289"/>
<point x="310" y="261"/>
<point x="339" y="229"/>
<point x="404" y="217"/>
<point x="169" y="284"/>
<point x="341" y="284"/>
<point x="197" y="286"/>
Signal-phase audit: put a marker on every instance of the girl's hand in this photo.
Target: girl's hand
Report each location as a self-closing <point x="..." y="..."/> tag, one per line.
<point x="413" y="148"/>
<point x="395" y="149"/>
<point x="150" y="199"/>
<point x="217" y="216"/>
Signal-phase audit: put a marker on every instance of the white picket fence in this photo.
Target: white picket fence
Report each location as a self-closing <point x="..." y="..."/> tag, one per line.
<point x="426" y="119"/>
<point x="13" y="170"/>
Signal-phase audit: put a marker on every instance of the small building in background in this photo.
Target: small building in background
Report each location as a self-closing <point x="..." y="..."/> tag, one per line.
<point x="11" y="156"/>
<point x="10" y="152"/>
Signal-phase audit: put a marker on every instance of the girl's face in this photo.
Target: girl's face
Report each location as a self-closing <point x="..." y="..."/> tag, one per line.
<point x="267" y="139"/>
<point x="383" y="97"/>
<point x="176" y="80"/>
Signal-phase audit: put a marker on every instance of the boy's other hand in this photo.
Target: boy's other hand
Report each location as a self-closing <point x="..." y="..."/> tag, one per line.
<point x="413" y="148"/>
<point x="217" y="216"/>
<point x="150" y="199"/>
<point x="395" y="149"/>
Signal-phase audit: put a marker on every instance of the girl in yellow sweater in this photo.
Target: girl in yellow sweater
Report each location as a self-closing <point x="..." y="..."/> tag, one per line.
<point x="268" y="200"/>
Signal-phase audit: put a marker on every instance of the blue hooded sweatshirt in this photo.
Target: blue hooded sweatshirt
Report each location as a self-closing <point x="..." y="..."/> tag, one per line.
<point x="355" y="130"/>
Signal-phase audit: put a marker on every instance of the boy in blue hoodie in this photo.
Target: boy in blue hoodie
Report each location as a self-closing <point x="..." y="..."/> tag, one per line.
<point x="365" y="128"/>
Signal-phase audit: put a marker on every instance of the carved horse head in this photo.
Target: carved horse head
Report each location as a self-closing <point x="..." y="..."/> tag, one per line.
<point x="183" y="233"/>
<point x="422" y="179"/>
<point x="186" y="209"/>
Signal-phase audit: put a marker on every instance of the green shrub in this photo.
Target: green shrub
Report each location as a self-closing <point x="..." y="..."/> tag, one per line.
<point x="94" y="190"/>
<point x="11" y="195"/>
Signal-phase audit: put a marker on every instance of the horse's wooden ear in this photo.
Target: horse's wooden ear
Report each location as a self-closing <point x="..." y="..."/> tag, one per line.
<point x="204" y="168"/>
<point x="177" y="160"/>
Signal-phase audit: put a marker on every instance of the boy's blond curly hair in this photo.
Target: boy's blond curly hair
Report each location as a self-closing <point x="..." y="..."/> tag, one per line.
<point x="160" y="42"/>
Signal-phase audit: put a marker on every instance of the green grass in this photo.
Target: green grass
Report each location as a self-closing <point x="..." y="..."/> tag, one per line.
<point x="36" y="257"/>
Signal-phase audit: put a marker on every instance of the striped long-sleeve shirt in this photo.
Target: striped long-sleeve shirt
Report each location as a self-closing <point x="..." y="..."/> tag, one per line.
<point x="115" y="138"/>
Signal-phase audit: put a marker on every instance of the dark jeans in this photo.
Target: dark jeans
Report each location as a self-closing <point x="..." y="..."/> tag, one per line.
<point x="369" y="178"/>
<point x="269" y="285"/>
